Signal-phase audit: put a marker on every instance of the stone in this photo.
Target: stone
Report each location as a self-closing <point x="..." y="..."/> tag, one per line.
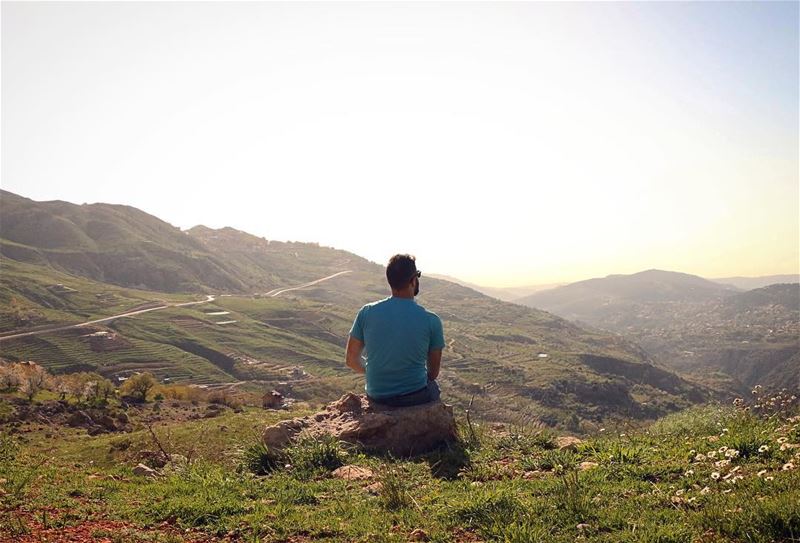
<point x="352" y="473"/>
<point x="374" y="488"/>
<point x="79" y="418"/>
<point x="568" y="443"/>
<point x="107" y="423"/>
<point x="400" y="431"/>
<point x="144" y="471"/>
<point x="587" y="465"/>
<point x="272" y="400"/>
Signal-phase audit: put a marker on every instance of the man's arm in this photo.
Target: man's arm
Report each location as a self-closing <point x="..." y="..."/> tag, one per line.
<point x="434" y="364"/>
<point x="353" y="355"/>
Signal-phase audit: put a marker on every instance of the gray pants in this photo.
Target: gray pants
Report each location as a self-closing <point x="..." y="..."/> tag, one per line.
<point x="430" y="393"/>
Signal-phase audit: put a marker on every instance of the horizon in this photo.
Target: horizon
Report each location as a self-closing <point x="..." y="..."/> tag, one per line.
<point x="507" y="145"/>
<point x="458" y="278"/>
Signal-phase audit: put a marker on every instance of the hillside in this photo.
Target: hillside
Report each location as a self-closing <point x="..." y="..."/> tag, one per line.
<point x="750" y="283"/>
<point x="507" y="294"/>
<point x="731" y="339"/>
<point x="519" y="363"/>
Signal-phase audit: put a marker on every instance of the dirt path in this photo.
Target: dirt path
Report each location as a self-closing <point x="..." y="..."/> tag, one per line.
<point x="276" y="291"/>
<point x="209" y="298"/>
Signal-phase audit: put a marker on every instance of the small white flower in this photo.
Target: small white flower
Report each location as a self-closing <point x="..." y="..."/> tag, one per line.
<point x="783" y="439"/>
<point x="679" y="492"/>
<point x="705" y="490"/>
<point x="763" y="448"/>
<point x="715" y="475"/>
<point x="787" y="466"/>
<point x="688" y="472"/>
<point x="760" y="473"/>
<point x="769" y="478"/>
<point x="723" y="449"/>
<point x="700" y="457"/>
<point x="712" y="454"/>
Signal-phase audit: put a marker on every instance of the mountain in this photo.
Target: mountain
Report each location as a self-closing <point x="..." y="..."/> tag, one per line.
<point x="594" y="300"/>
<point x="518" y="362"/>
<point x="722" y="336"/>
<point x="749" y="283"/>
<point x="507" y="294"/>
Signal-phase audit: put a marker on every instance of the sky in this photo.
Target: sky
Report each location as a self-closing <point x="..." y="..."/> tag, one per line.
<point x="504" y="144"/>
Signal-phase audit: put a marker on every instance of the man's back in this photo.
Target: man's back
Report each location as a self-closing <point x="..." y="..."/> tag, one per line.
<point x="397" y="334"/>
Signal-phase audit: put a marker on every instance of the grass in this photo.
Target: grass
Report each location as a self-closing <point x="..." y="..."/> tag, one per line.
<point x="647" y="485"/>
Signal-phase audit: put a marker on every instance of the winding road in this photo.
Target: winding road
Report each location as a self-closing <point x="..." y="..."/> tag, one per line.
<point x="209" y="298"/>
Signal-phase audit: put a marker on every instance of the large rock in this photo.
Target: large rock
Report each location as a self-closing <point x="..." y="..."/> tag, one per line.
<point x="401" y="431"/>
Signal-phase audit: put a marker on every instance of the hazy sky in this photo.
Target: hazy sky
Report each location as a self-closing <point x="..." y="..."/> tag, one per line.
<point x="502" y="143"/>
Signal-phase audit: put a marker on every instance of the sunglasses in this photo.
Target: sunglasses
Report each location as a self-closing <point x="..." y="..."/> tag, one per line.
<point x="416" y="274"/>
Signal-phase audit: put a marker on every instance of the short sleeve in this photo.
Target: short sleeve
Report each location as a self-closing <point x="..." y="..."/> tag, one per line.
<point x="437" y="333"/>
<point x="357" y="330"/>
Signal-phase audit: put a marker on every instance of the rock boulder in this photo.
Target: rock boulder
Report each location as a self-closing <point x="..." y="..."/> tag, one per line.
<point x="401" y="431"/>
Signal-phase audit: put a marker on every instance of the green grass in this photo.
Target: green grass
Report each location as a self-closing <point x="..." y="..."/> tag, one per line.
<point x="647" y="485"/>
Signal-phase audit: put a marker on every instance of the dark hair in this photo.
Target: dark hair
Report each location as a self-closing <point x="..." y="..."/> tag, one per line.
<point x="400" y="270"/>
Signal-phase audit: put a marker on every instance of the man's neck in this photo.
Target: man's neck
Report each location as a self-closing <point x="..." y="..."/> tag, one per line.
<point x="407" y="294"/>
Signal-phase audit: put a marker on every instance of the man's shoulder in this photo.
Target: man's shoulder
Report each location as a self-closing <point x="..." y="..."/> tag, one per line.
<point x="376" y="303"/>
<point x="430" y="314"/>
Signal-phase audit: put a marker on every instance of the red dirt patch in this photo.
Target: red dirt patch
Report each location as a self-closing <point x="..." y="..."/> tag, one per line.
<point x="29" y="529"/>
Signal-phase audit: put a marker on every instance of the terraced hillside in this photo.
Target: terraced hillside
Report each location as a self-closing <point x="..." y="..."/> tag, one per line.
<point x="518" y="363"/>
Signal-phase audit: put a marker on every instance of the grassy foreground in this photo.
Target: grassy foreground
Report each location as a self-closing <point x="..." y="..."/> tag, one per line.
<point x="707" y="474"/>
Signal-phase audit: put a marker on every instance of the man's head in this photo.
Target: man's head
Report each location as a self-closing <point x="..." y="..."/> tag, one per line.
<point x="402" y="274"/>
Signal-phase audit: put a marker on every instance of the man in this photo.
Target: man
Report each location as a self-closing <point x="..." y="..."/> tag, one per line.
<point x="403" y="341"/>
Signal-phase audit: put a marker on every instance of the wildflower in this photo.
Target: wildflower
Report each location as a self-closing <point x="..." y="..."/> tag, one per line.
<point x="712" y="454"/>
<point x="723" y="449"/>
<point x="770" y="478"/>
<point x="787" y="466"/>
<point x="691" y="500"/>
<point x="688" y="472"/>
<point x="760" y="473"/>
<point x="679" y="492"/>
<point x="700" y="457"/>
<point x="721" y="463"/>
<point x="725" y="430"/>
<point x="692" y="452"/>
<point x="737" y="468"/>
<point x="782" y="440"/>
<point x="731" y="453"/>
<point x="715" y="475"/>
<point x="785" y="446"/>
<point x="763" y="448"/>
<point x="705" y="490"/>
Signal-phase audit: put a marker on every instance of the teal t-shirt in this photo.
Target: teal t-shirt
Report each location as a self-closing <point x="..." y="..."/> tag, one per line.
<point x="397" y="335"/>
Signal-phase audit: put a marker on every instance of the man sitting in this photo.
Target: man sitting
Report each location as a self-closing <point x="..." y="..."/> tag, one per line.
<point x="403" y="342"/>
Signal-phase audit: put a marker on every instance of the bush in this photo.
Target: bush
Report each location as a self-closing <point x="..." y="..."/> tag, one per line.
<point x="315" y="456"/>
<point x="138" y="385"/>
<point x="261" y="460"/>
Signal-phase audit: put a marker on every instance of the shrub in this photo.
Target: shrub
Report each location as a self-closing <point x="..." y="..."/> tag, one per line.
<point x="315" y="456"/>
<point x="138" y="385"/>
<point x="261" y="460"/>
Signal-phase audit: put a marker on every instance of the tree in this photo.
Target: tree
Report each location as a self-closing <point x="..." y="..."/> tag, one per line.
<point x="138" y="385"/>
<point x="32" y="378"/>
<point x="9" y="378"/>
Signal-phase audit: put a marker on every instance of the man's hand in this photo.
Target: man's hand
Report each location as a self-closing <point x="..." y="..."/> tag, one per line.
<point x="353" y="355"/>
<point x="434" y="363"/>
